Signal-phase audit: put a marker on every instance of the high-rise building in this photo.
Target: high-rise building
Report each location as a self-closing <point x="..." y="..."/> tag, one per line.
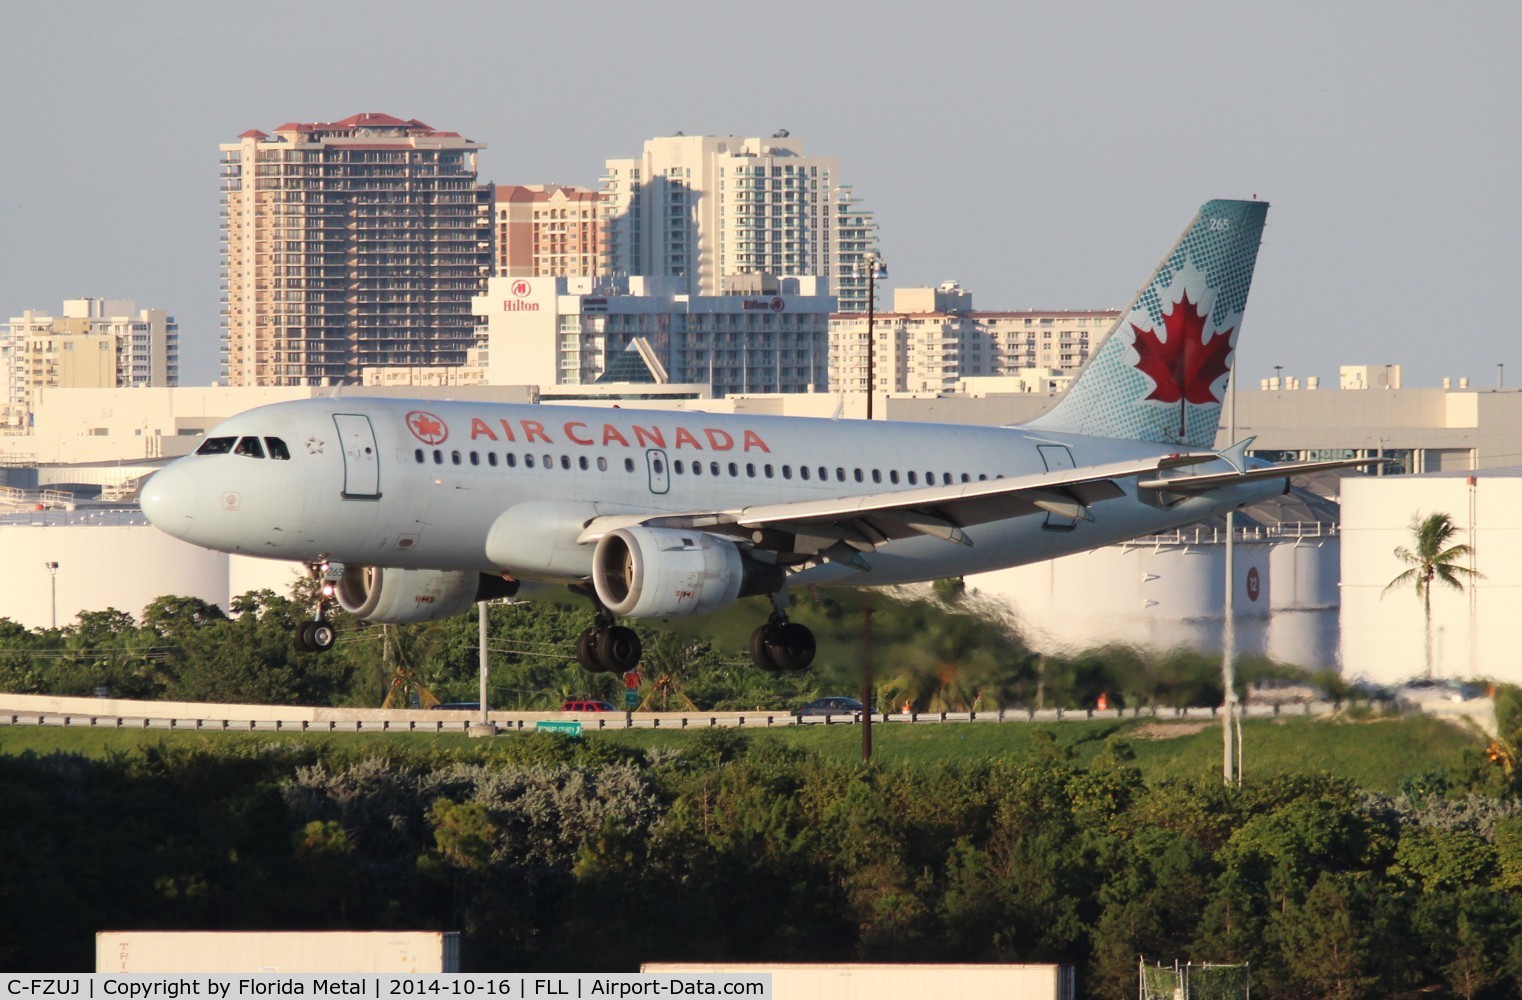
<point x="702" y="209"/>
<point x="92" y="343"/>
<point x="768" y="335"/>
<point x="933" y="339"/>
<point x="548" y="230"/>
<point x="352" y="244"/>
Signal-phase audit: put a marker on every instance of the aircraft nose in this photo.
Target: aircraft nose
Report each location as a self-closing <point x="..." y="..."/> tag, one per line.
<point x="169" y="500"/>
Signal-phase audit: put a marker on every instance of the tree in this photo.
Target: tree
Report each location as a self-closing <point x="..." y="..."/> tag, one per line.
<point x="1432" y="559"/>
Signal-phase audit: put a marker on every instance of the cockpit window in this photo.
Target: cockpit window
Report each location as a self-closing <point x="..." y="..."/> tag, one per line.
<point x="249" y="447"/>
<point x="277" y="449"/>
<point x="216" y="446"/>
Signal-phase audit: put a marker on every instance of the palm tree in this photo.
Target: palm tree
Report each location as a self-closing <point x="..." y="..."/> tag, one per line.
<point x="1432" y="559"/>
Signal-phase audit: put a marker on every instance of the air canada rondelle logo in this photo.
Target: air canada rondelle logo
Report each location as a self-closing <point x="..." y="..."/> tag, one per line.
<point x="426" y="427"/>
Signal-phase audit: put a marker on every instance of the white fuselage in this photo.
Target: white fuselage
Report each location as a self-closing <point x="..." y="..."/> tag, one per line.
<point x="414" y="484"/>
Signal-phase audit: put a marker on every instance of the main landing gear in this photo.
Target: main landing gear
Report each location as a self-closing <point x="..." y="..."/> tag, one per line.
<point x="318" y="635"/>
<point x="605" y="647"/>
<point x="781" y="644"/>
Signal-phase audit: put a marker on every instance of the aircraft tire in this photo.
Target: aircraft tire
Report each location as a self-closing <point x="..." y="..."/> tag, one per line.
<point x="304" y="637"/>
<point x="619" y="649"/>
<point x="760" y="644"/>
<point x="793" y="647"/>
<point x="586" y="650"/>
<point x="321" y="635"/>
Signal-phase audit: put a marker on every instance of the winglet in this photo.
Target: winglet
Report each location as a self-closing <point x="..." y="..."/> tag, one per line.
<point x="1236" y="455"/>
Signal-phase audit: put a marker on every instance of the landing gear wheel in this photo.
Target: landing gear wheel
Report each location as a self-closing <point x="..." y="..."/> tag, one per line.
<point x="321" y="635"/>
<point x="760" y="639"/>
<point x="792" y="646"/>
<point x="586" y="650"/>
<point x="619" y="649"/>
<point x="304" y="637"/>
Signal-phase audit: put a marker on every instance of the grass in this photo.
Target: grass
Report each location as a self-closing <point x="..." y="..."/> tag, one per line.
<point x="1376" y="753"/>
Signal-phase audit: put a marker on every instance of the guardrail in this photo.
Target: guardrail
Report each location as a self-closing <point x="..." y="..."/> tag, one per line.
<point x="46" y="710"/>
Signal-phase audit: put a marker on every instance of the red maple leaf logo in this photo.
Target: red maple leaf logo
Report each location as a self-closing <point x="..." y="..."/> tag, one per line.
<point x="1183" y="366"/>
<point x="426" y="427"/>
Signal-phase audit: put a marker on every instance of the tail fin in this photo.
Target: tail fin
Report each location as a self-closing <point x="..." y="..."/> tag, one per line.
<point x="1161" y="373"/>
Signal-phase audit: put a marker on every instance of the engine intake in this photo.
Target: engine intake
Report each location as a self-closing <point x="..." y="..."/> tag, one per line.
<point x="668" y="573"/>
<point x="404" y="596"/>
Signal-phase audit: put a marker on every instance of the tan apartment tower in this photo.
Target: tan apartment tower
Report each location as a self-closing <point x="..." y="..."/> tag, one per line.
<point x="703" y="209"/>
<point x="350" y="244"/>
<point x="548" y="230"/>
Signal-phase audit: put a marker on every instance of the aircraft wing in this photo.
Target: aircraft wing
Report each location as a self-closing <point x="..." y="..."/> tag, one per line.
<point x="1190" y="485"/>
<point x="846" y="525"/>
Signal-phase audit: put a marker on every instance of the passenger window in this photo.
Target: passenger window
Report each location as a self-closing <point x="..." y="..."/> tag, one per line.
<point x="840" y="474"/>
<point x="602" y="464"/>
<point x="859" y="476"/>
<point x="438" y="457"/>
<point x="216" y="446"/>
<point x="528" y="461"/>
<point x="768" y="470"/>
<point x="585" y="465"/>
<point x="824" y="473"/>
<point x="549" y="462"/>
<point x="491" y="459"/>
<point x="277" y="449"/>
<point x="945" y="479"/>
<point x="249" y="447"/>
<point x="512" y="460"/>
<point x="628" y="465"/>
<point x="877" y="476"/>
<point x="750" y="469"/>
<point x="803" y="470"/>
<point x="659" y="467"/>
<point x="982" y="476"/>
<point x="713" y="467"/>
<point x="966" y="478"/>
<point x="454" y="457"/>
<point x="565" y="462"/>
<point x="677" y="467"/>
<point x="734" y="470"/>
<point x="914" y="480"/>
<point x="893" y="476"/>
<point x="418" y="454"/>
<point x="697" y="468"/>
<point x="787" y="472"/>
<point x="475" y="458"/>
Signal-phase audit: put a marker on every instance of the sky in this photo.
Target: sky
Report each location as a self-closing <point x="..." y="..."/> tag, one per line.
<point x="1043" y="155"/>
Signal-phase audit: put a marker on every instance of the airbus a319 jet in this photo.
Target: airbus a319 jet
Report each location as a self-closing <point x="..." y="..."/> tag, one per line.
<point x="413" y="510"/>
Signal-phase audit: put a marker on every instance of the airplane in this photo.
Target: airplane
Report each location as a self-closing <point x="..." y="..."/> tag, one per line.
<point x="412" y="510"/>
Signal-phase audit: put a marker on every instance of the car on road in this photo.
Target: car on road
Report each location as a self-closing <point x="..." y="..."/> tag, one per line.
<point x="1424" y="690"/>
<point x="835" y="705"/>
<point x="586" y="705"/>
<point x="1282" y="691"/>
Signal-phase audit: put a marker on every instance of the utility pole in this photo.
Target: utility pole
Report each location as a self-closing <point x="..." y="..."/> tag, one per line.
<point x="53" y="575"/>
<point x="482" y="608"/>
<point x="866" y="684"/>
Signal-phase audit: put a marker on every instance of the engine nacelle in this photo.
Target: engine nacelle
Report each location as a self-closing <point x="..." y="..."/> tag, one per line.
<point x="404" y="596"/>
<point x="668" y="573"/>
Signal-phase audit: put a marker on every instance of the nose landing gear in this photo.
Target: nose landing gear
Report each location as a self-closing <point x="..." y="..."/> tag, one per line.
<point x="318" y="635"/>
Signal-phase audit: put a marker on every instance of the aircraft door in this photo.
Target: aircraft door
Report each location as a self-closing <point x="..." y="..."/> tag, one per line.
<point x="1057" y="457"/>
<point x="660" y="470"/>
<point x="361" y="458"/>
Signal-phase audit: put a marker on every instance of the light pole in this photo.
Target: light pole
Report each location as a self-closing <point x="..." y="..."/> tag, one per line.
<point x="53" y="579"/>
<point x="874" y="267"/>
<point x="1278" y="384"/>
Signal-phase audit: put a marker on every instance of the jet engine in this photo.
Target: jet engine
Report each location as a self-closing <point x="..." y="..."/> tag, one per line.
<point x="669" y="573"/>
<point x="404" y="596"/>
